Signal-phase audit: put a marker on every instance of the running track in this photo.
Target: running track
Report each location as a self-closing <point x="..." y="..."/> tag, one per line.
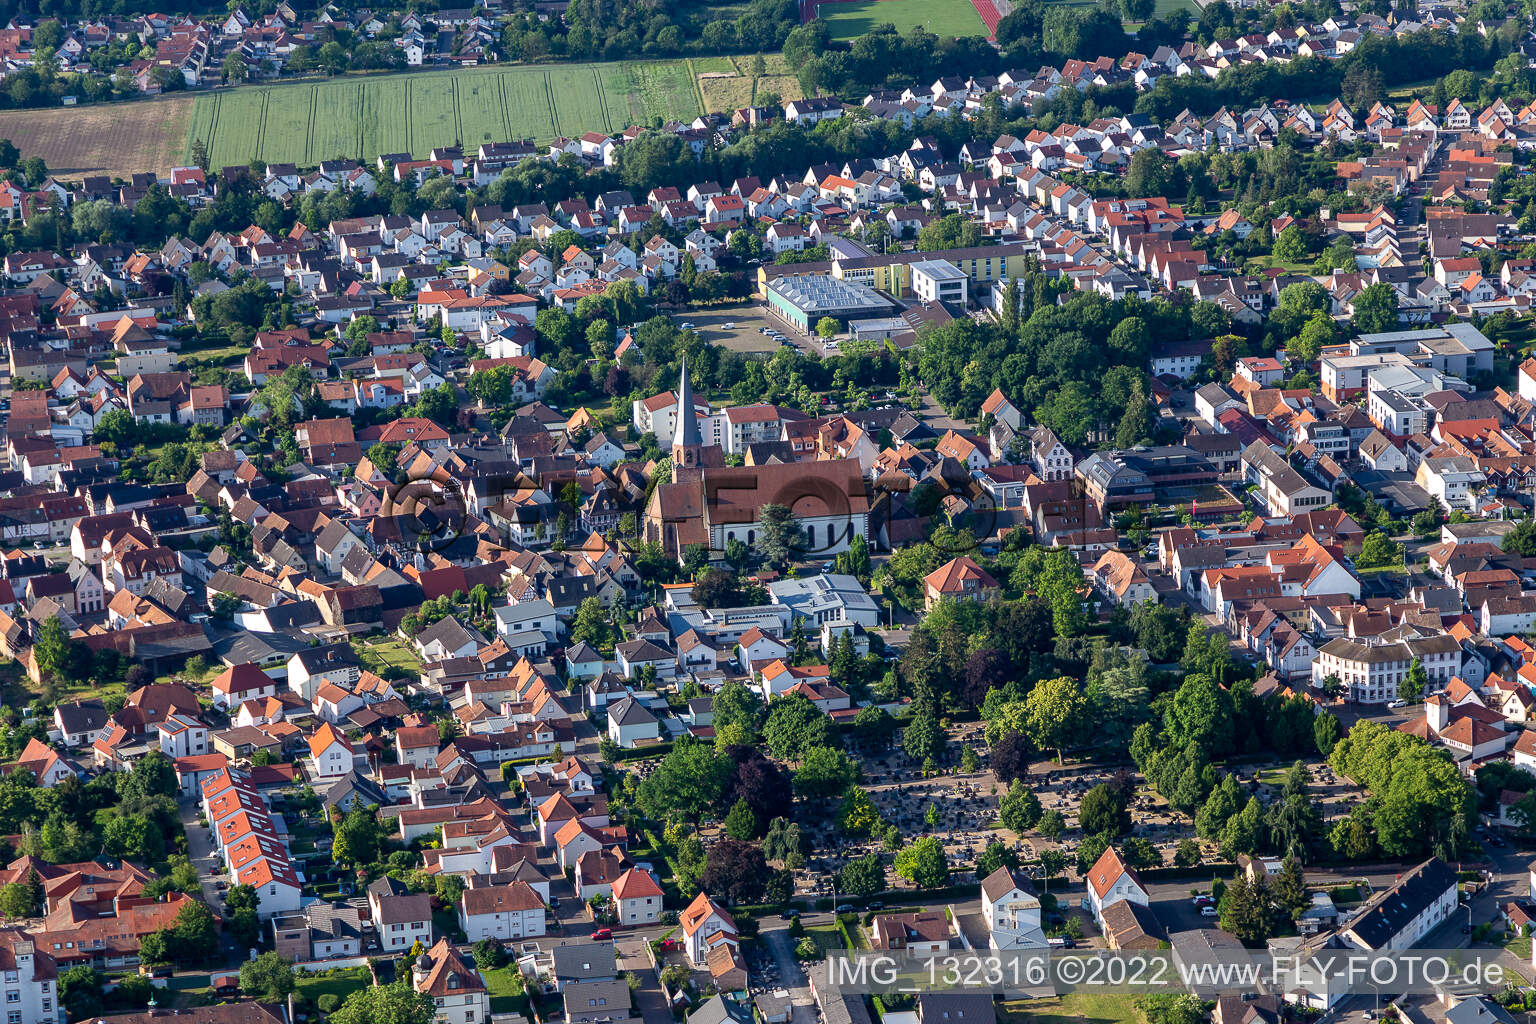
<point x="985" y="8"/>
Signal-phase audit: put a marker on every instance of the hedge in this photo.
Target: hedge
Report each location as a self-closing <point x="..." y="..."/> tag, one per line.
<point x="644" y="753"/>
<point x="842" y="927"/>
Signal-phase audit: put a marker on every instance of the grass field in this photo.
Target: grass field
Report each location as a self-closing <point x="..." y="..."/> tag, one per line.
<point x="942" y="17"/>
<point x="108" y="138"/>
<point x="727" y="83"/>
<point x="305" y="123"/>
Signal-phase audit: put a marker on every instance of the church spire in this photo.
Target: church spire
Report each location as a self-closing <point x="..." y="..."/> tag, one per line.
<point x="687" y="432"/>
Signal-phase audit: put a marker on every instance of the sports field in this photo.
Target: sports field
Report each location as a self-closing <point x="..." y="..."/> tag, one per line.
<point x="941" y="17"/>
<point x="305" y="123"/>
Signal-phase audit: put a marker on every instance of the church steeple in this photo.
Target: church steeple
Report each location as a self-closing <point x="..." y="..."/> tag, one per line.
<point x="690" y="454"/>
<point x="687" y="432"/>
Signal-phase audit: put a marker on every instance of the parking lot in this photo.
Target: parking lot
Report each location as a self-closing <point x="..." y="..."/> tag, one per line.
<point x="744" y="334"/>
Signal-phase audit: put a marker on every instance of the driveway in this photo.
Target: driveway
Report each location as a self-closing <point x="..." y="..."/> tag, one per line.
<point x="783" y="949"/>
<point x="648" y="997"/>
<point x="200" y="850"/>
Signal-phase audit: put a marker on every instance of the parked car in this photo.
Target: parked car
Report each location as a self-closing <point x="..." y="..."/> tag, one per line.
<point x="1399" y="703"/>
<point x="1209" y="910"/>
<point x="603" y="933"/>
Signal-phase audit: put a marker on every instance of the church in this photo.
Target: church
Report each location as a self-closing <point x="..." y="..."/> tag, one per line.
<point x="710" y="503"/>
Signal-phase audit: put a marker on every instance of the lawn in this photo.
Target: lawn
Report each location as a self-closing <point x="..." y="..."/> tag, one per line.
<point x="391" y="653"/>
<point x="1072" y="1008"/>
<point x="340" y="982"/>
<point x="505" y="987"/>
<point x="942" y="17"/>
<point x="306" y="122"/>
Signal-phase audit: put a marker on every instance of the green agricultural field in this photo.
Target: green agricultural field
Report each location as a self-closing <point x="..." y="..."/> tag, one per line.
<point x="941" y="17"/>
<point x="305" y="123"/>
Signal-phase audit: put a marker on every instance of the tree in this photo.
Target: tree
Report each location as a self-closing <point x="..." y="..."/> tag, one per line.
<point x="1414" y="683"/>
<point x="1054" y="713"/>
<point x="55" y="652"/>
<point x="395" y="1003"/>
<point x="358" y="837"/>
<point x="233" y="68"/>
<point x="1291" y="245"/>
<point x="950" y="231"/>
<point x="268" y="978"/>
<point x="1521" y="540"/>
<point x="1090" y="850"/>
<point x="1139" y="854"/>
<point x="995" y="856"/>
<point x="735" y="871"/>
<point x="1290" y="888"/>
<point x="742" y="822"/>
<point x="922" y="738"/>
<point x="738" y="715"/>
<point x="1378" y="550"/>
<point x="827" y="328"/>
<point x="1375" y="309"/>
<point x="873" y="725"/>
<point x="862" y="877"/>
<point x="687" y="782"/>
<point x="1326" y="732"/>
<point x="782" y="841"/>
<point x="1011" y="756"/>
<point x="17" y="901"/>
<point x="155" y="948"/>
<point x="591" y="625"/>
<point x="1187" y="855"/>
<point x="195" y="938"/>
<point x="1019" y="809"/>
<point x="1104" y="810"/>
<point x="780" y="534"/>
<point x="1151" y="173"/>
<point x="824" y="773"/>
<point x="1052" y="862"/>
<point x="1247" y="910"/>
<point x="923" y="864"/>
<point x="241" y="903"/>
<point x="794" y="725"/>
<point x="858" y="815"/>
<point x="490" y="954"/>
<point x="80" y="991"/>
<point x="492" y="387"/>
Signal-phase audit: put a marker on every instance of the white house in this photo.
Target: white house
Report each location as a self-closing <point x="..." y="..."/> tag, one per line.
<point x="637" y="897"/>
<point x="330" y="752"/>
<point x="1011" y="909"/>
<point x="1110" y="881"/>
<point x="1401" y="916"/>
<point x="501" y="912"/>
<point x="401" y="918"/>
<point x="631" y="724"/>
<point x="706" y="925"/>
